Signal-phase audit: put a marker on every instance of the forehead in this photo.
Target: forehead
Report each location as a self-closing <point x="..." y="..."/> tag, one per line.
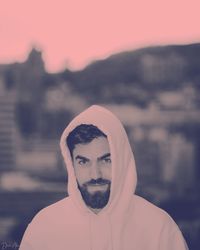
<point x="97" y="147"/>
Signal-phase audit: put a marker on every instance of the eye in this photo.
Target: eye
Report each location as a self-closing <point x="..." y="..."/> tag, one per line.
<point x="107" y="160"/>
<point x="83" y="162"/>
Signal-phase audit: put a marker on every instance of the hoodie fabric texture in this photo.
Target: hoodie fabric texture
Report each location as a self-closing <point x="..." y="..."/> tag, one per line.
<point x="127" y="222"/>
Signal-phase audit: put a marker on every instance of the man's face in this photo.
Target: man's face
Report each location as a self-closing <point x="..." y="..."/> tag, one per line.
<point x="92" y="164"/>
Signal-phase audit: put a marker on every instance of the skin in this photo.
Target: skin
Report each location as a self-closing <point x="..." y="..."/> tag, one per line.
<point x="93" y="161"/>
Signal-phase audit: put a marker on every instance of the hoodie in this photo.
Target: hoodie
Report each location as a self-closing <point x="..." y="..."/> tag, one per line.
<point x="127" y="222"/>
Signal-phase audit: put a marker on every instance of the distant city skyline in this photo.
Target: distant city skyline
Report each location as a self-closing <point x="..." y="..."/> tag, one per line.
<point x="72" y="34"/>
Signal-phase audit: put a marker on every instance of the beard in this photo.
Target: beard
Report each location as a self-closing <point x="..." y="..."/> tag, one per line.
<point x="98" y="199"/>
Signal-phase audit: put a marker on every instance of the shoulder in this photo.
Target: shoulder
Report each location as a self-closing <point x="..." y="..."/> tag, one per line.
<point x="47" y="223"/>
<point x="54" y="211"/>
<point x="147" y="207"/>
<point x="151" y="213"/>
<point x="154" y="220"/>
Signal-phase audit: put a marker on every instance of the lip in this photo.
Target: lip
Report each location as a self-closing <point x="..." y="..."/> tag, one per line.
<point x="97" y="185"/>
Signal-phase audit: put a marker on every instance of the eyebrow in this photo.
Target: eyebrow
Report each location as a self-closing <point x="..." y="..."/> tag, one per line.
<point x="81" y="158"/>
<point x="104" y="156"/>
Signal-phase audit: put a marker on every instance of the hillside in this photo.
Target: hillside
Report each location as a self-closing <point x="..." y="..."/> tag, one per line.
<point x="136" y="76"/>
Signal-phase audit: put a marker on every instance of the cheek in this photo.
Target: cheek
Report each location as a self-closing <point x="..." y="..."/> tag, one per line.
<point x="82" y="175"/>
<point x="107" y="173"/>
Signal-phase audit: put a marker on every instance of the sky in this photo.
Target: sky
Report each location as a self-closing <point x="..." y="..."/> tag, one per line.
<point x="73" y="33"/>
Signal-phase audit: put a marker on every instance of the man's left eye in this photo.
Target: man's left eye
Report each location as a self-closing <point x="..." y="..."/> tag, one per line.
<point x="107" y="160"/>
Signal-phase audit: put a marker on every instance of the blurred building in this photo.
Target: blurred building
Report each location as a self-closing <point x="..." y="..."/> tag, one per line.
<point x="165" y="152"/>
<point x="8" y="131"/>
<point x="38" y="155"/>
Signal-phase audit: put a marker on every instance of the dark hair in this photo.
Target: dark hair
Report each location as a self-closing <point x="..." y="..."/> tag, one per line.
<point x="83" y="134"/>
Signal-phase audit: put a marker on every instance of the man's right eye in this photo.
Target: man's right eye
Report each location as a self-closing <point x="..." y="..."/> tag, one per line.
<point x="82" y="162"/>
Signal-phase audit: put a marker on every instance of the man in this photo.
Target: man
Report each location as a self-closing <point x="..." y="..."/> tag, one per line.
<point x="101" y="212"/>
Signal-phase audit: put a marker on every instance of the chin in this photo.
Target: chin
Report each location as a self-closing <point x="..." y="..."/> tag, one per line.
<point x="96" y="199"/>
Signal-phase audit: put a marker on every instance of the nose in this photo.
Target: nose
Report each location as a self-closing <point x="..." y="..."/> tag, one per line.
<point x="95" y="172"/>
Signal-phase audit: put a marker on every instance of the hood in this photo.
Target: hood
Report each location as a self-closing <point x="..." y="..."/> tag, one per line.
<point x="124" y="176"/>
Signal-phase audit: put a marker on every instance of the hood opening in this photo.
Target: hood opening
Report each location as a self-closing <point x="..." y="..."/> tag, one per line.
<point x="124" y="176"/>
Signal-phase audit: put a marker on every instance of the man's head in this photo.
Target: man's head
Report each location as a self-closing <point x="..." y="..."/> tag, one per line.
<point x="90" y="152"/>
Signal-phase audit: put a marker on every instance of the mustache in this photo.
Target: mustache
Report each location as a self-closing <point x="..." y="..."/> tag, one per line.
<point x="99" y="181"/>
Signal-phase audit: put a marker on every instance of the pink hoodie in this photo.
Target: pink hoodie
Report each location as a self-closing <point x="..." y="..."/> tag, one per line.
<point x="127" y="222"/>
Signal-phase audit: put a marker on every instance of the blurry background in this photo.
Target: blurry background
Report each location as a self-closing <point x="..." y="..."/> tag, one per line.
<point x="105" y="54"/>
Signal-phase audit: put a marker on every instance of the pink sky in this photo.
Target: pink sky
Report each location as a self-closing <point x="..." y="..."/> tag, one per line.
<point x="72" y="33"/>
